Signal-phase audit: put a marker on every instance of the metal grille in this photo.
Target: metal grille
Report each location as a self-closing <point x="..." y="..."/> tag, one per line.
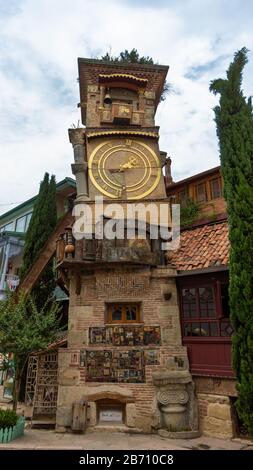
<point x="45" y="401"/>
<point x="31" y="378"/>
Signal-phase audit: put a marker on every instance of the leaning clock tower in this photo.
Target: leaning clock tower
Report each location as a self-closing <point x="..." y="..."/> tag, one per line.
<point x="124" y="338"/>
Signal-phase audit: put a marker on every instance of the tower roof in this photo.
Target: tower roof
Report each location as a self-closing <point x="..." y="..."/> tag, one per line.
<point x="91" y="71"/>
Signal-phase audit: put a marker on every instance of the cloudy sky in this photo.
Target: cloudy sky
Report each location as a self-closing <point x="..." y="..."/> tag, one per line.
<point x="40" y="41"/>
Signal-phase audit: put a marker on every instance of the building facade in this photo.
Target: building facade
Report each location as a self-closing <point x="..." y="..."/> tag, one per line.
<point x="202" y="283"/>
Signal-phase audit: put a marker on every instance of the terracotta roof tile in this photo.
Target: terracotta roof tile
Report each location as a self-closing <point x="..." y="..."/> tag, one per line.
<point x="202" y="247"/>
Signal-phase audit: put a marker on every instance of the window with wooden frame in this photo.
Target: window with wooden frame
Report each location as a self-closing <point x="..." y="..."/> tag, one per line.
<point x="182" y="197"/>
<point x="123" y="313"/>
<point x="200" y="192"/>
<point x="226" y="328"/>
<point x="215" y="188"/>
<point x="204" y="310"/>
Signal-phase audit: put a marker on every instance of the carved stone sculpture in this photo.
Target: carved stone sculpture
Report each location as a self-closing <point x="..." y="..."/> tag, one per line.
<point x="176" y="399"/>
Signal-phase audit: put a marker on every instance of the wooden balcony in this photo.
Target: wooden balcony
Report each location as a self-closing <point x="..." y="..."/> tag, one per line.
<point x="87" y="252"/>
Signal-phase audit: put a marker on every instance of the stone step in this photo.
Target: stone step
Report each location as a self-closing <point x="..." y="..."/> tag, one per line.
<point x="42" y="424"/>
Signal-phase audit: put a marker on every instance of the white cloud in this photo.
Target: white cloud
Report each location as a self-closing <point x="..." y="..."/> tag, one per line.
<point x="40" y="43"/>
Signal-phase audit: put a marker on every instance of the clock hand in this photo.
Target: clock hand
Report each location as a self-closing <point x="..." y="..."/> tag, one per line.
<point x="131" y="164"/>
<point x="116" y="170"/>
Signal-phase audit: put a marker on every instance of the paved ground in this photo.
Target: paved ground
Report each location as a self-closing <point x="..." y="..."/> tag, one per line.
<point x="47" y="439"/>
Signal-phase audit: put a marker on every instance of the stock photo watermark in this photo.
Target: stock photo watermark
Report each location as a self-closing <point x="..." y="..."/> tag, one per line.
<point x="111" y="221"/>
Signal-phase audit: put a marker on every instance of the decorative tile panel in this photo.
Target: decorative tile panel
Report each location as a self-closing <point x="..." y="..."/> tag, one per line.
<point x="151" y="357"/>
<point x="125" y="335"/>
<point x="115" y="366"/>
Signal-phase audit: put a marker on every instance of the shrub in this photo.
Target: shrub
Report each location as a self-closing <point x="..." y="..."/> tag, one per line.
<point x="189" y="212"/>
<point x="8" y="418"/>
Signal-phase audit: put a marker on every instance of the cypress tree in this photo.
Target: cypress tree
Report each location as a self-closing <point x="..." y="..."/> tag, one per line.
<point x="42" y="224"/>
<point x="234" y="123"/>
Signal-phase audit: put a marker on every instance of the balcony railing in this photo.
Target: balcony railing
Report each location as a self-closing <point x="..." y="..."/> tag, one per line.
<point x="135" y="251"/>
<point x="9" y="282"/>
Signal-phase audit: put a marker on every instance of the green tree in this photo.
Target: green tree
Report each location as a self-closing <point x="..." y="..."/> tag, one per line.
<point x="42" y="224"/>
<point x="134" y="57"/>
<point x="25" y="329"/>
<point x="234" y="123"/>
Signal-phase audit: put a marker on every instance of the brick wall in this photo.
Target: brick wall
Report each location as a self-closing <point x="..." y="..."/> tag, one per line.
<point x="88" y="309"/>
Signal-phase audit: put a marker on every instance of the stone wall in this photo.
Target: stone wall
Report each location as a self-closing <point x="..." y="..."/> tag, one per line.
<point x="215" y="416"/>
<point x="214" y="395"/>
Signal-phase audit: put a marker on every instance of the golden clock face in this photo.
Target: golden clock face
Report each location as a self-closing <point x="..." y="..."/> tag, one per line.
<point x="124" y="168"/>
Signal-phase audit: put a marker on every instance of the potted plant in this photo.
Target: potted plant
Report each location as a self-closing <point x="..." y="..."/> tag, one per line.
<point x="11" y="425"/>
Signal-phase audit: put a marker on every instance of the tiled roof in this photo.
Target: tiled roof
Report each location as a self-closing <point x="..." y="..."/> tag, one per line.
<point x="202" y="247"/>
<point x="61" y="341"/>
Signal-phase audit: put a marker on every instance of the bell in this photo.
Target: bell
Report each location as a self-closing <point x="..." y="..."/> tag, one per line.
<point x="107" y="99"/>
